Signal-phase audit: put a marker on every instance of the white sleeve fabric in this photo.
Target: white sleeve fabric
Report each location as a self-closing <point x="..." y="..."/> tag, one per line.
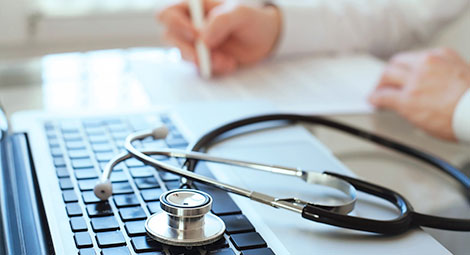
<point x="380" y="27"/>
<point x="461" y="118"/>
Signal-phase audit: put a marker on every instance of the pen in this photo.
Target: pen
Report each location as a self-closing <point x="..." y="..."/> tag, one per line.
<point x="196" y="9"/>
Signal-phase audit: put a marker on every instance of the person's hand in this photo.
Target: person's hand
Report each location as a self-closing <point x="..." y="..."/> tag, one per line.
<point x="236" y="34"/>
<point x="424" y="87"/>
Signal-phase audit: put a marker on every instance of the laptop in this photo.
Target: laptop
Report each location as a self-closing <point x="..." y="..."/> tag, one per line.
<point x="50" y="164"/>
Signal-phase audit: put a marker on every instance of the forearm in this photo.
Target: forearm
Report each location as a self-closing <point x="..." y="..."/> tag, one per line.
<point x="461" y="118"/>
<point x="381" y="27"/>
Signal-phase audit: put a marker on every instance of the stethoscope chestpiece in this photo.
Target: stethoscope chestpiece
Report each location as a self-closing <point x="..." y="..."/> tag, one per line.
<point x="185" y="220"/>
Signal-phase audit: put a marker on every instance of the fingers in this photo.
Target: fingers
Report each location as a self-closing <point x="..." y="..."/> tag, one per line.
<point x="389" y="98"/>
<point x="223" y="63"/>
<point x="176" y="19"/>
<point x="394" y="76"/>
<point x="188" y="52"/>
<point x="221" y="22"/>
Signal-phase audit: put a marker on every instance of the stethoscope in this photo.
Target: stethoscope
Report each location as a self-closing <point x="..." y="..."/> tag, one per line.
<point x="186" y="219"/>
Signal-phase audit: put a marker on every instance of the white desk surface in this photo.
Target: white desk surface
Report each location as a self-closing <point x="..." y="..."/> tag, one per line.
<point x="110" y="80"/>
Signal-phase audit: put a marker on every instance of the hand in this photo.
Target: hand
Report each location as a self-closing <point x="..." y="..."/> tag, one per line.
<point x="236" y="34"/>
<point x="424" y="87"/>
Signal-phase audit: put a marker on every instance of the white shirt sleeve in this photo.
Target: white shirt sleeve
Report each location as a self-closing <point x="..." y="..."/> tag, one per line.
<point x="381" y="27"/>
<point x="461" y="118"/>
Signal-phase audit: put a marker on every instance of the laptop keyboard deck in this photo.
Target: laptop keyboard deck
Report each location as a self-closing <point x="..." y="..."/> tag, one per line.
<point x="80" y="150"/>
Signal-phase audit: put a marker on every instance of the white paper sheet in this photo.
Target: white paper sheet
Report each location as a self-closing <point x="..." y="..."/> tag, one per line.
<point x="325" y="85"/>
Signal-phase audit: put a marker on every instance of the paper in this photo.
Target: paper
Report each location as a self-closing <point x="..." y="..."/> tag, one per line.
<point x="327" y="85"/>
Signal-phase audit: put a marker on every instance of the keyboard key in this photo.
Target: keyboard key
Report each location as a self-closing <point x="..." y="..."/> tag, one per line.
<point x="220" y="244"/>
<point x="69" y="196"/>
<point x="110" y="239"/>
<point x="104" y="156"/>
<point x="89" y="197"/>
<point x="98" y="131"/>
<point x="144" y="243"/>
<point x="87" y="251"/>
<point x="89" y="173"/>
<point x="154" y="207"/>
<point x="82" y="163"/>
<point x="146" y="183"/>
<point x="99" y="209"/>
<point x="54" y="143"/>
<point x="132" y="162"/>
<point x="62" y="172"/>
<point x="166" y="176"/>
<point x="262" y="251"/>
<point x="56" y="152"/>
<point x="135" y="228"/>
<point x="82" y="240"/>
<point x="122" y="188"/>
<point x="173" y="185"/>
<point x="73" y="209"/>
<point x="101" y="147"/>
<point x="115" y="251"/>
<point x="237" y="224"/>
<point x="126" y="200"/>
<point x="143" y="171"/>
<point x="246" y="241"/>
<point x="176" y="250"/>
<point x="118" y="176"/>
<point x="104" y="223"/>
<point x="96" y="139"/>
<point x="88" y="184"/>
<point x="65" y="183"/>
<point x="151" y="194"/>
<point x="176" y="142"/>
<point x="72" y="137"/>
<point x="59" y="162"/>
<point x="132" y="213"/>
<point x="78" y="154"/>
<point x="75" y="145"/>
<point x="223" y="204"/>
<point x="222" y="252"/>
<point x="78" y="224"/>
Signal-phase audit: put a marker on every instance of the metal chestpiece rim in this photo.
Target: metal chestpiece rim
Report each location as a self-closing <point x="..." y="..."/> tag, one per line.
<point x="185" y="220"/>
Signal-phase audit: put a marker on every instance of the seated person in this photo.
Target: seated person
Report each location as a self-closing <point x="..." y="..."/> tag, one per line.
<point x="429" y="88"/>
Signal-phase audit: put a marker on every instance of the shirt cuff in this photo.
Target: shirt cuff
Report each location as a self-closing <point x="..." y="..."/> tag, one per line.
<point x="461" y="118"/>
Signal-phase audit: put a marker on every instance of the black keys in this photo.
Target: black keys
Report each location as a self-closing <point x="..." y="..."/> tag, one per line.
<point x="222" y="252"/>
<point x="246" y="241"/>
<point x="132" y="213"/>
<point x="99" y="209"/>
<point x="75" y="145"/>
<point x="110" y="239"/>
<point x="87" y="251"/>
<point x="146" y="183"/>
<point x="220" y="244"/>
<point x="151" y="194"/>
<point x="104" y="223"/>
<point x="135" y="228"/>
<point x="78" y="154"/>
<point x="154" y="207"/>
<point x="176" y="250"/>
<point x="115" y="251"/>
<point x="89" y="197"/>
<point x="56" y="152"/>
<point x="122" y="188"/>
<point x="69" y="196"/>
<point x="126" y="200"/>
<point x="62" y="172"/>
<point x="82" y="163"/>
<point x="78" y="224"/>
<point x="223" y="204"/>
<point x="73" y="209"/>
<point x="89" y="173"/>
<point x="104" y="156"/>
<point x="142" y="171"/>
<point x="65" y="183"/>
<point x="82" y="240"/>
<point x="262" y="251"/>
<point x="95" y="139"/>
<point x="74" y="136"/>
<point x="173" y="185"/>
<point x="87" y="184"/>
<point x="144" y="243"/>
<point x="118" y="176"/>
<point x="166" y="176"/>
<point x="132" y="162"/>
<point x="59" y="162"/>
<point x="101" y="147"/>
<point x="237" y="223"/>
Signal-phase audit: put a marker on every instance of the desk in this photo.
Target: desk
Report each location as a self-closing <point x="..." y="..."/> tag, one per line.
<point x="105" y="81"/>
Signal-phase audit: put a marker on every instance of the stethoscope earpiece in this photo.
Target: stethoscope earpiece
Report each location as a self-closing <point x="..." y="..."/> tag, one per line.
<point x="103" y="190"/>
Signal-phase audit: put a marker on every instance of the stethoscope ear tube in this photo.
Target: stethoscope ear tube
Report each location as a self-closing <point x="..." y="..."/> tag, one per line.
<point x="388" y="227"/>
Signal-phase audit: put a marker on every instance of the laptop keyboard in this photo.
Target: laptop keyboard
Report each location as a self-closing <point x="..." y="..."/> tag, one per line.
<point x="81" y="148"/>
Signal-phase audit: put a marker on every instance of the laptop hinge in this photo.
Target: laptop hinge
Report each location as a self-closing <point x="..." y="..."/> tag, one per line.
<point x="23" y="219"/>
